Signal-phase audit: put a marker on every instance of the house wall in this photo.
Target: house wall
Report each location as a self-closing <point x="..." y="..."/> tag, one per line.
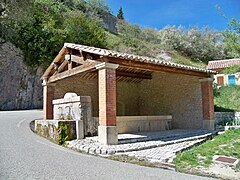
<point x="225" y="76"/>
<point x="173" y="94"/>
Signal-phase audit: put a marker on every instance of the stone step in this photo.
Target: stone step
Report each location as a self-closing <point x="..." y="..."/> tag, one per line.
<point x="93" y="147"/>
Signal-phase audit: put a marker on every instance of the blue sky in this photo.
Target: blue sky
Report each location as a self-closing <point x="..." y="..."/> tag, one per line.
<point x="159" y="13"/>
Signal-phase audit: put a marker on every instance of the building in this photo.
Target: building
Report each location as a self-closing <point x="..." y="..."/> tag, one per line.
<point x="125" y="85"/>
<point x="221" y="78"/>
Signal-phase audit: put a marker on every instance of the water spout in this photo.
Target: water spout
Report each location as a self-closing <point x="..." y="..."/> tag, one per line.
<point x="69" y="117"/>
<point x="61" y="116"/>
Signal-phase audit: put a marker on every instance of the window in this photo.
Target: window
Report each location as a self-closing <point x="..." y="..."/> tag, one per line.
<point x="231" y="79"/>
<point x="220" y="80"/>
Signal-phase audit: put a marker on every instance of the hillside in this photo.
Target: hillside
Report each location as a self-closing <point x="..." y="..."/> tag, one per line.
<point x="151" y="50"/>
<point x="40" y="27"/>
<point x="37" y="29"/>
<point x="226" y="99"/>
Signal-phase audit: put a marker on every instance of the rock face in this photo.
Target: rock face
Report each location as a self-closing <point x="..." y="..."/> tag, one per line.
<point x="110" y="22"/>
<point x="20" y="88"/>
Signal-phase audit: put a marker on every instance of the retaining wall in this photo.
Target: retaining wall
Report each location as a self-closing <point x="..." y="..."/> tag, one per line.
<point x="226" y="116"/>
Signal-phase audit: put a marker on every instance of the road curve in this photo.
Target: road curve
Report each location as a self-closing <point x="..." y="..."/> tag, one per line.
<point x="24" y="155"/>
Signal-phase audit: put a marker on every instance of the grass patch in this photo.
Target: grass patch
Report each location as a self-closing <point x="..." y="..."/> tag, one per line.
<point x="227" y="144"/>
<point x="226" y="99"/>
<point x="177" y="58"/>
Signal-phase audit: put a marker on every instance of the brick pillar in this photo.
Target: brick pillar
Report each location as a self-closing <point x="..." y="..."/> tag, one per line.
<point x="107" y="130"/>
<point x="207" y="103"/>
<point x="48" y="96"/>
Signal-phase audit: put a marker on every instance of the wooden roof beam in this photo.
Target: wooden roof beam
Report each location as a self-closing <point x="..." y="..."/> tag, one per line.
<point x="77" y="70"/>
<point x="134" y="75"/>
<point x="56" y="60"/>
<point x="154" y="67"/>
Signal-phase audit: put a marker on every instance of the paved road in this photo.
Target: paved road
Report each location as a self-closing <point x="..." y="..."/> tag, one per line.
<point x="24" y="155"/>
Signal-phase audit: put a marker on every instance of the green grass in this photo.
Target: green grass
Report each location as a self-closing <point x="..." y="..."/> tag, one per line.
<point x="227" y="144"/>
<point x="227" y="98"/>
<point x="177" y="58"/>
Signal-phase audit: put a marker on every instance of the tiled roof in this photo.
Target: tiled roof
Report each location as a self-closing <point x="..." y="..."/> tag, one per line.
<point x="114" y="54"/>
<point x="221" y="64"/>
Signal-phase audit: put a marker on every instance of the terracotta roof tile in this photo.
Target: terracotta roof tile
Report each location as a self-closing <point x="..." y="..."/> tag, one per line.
<point x="221" y="64"/>
<point x="110" y="53"/>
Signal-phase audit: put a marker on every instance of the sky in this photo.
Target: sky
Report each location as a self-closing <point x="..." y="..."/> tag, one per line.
<point x="160" y="13"/>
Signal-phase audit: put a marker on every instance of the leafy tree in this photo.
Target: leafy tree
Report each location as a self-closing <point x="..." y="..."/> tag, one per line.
<point x="41" y="35"/>
<point x="83" y="30"/>
<point x="232" y="38"/>
<point x="12" y="12"/>
<point x="120" y="13"/>
<point x="46" y="26"/>
<point x="232" y="69"/>
<point x="197" y="44"/>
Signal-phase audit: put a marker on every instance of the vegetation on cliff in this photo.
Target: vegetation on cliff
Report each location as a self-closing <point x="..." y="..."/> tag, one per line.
<point x="40" y="27"/>
<point x="46" y="25"/>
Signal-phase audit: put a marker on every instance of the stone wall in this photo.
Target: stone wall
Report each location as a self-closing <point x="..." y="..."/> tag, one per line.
<point x="82" y="87"/>
<point x="165" y="94"/>
<point x="50" y="129"/>
<point x="128" y="99"/>
<point x="127" y="94"/>
<point x="226" y="116"/>
<point x="20" y="88"/>
<point x="173" y="94"/>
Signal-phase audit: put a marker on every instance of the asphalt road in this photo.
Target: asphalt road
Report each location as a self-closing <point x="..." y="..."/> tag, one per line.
<point x="24" y="155"/>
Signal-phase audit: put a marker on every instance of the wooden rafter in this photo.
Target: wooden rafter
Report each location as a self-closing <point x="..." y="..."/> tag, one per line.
<point x="71" y="72"/>
<point x="58" y="58"/>
<point x="134" y="75"/>
<point x="62" y="66"/>
<point x="154" y="67"/>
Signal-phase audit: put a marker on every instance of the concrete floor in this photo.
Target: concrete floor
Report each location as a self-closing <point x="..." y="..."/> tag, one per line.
<point x="173" y="134"/>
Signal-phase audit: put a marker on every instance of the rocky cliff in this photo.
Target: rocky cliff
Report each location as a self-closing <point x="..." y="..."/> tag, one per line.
<point x="20" y="87"/>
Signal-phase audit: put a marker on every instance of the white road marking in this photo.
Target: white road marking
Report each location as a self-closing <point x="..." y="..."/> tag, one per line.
<point x="20" y="122"/>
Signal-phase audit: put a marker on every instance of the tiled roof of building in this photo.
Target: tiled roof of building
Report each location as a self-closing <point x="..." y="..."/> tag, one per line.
<point x="221" y="64"/>
<point x="115" y="54"/>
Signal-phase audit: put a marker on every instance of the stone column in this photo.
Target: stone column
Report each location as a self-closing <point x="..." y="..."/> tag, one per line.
<point x="48" y="96"/>
<point x="107" y="130"/>
<point x="207" y="103"/>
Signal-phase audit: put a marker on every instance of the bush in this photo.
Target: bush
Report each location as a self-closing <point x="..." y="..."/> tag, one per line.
<point x="200" y="45"/>
<point x="62" y="133"/>
<point x="48" y="24"/>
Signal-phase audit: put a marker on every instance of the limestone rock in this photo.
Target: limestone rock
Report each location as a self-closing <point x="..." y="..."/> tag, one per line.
<point x="20" y="87"/>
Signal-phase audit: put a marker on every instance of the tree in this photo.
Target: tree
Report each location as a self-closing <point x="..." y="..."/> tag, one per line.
<point x="232" y="38"/>
<point x="45" y="25"/>
<point x="198" y="44"/>
<point x="120" y="14"/>
<point x="231" y="35"/>
<point x="83" y="30"/>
